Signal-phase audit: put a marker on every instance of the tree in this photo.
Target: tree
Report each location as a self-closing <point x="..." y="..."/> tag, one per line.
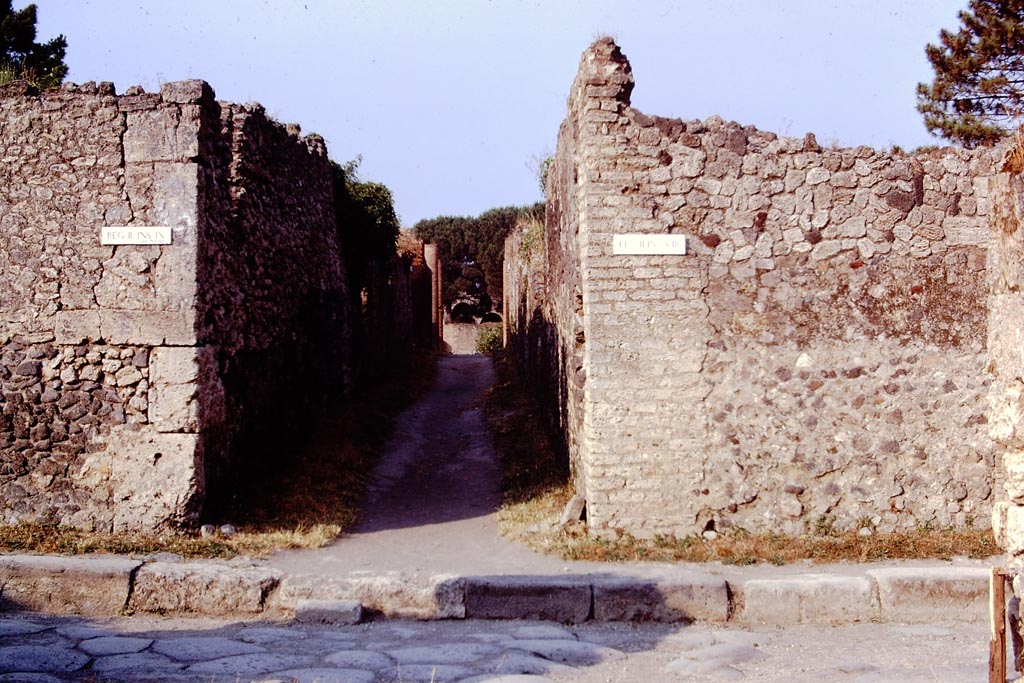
<point x="367" y="223"/>
<point x="977" y="96"/>
<point x="473" y="250"/>
<point x="21" y="57"/>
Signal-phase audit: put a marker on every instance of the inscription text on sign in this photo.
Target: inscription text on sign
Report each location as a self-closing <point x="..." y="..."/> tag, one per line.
<point x="635" y="243"/>
<point x="135" y="235"/>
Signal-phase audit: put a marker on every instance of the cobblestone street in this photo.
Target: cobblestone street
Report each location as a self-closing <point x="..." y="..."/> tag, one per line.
<point x="43" y="649"/>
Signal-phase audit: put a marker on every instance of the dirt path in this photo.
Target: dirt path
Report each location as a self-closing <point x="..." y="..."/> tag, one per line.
<point x="431" y="504"/>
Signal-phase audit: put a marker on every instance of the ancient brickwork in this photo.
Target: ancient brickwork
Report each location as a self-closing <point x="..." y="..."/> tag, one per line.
<point x="816" y="359"/>
<point x="135" y="377"/>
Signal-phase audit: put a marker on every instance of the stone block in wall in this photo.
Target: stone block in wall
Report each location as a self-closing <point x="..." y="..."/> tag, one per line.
<point x="126" y="280"/>
<point x="1006" y="395"/>
<point x="185" y="391"/>
<point x="78" y="327"/>
<point x="163" y="134"/>
<point x="156" y="479"/>
<point x="149" y="327"/>
<point x="1008" y="527"/>
<point x="1006" y="251"/>
<point x="187" y="92"/>
<point x="965" y="231"/>
<point x="144" y="328"/>
<point x="1013" y="465"/>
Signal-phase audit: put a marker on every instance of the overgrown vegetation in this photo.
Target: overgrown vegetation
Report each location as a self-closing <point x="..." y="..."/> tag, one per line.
<point x="368" y="229"/>
<point x="21" y="57"/>
<point x="472" y="250"/>
<point x="536" y="490"/>
<point x="489" y="339"/>
<point x="368" y="226"/>
<point x="531" y="469"/>
<point x="311" y="498"/>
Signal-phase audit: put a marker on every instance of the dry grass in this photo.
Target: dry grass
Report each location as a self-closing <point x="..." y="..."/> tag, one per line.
<point x="530" y="466"/>
<point x="305" y="500"/>
<point x="536" y="491"/>
<point x="533" y="521"/>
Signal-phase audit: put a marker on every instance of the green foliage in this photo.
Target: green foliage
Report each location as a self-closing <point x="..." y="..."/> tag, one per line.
<point x="532" y="238"/>
<point x="977" y="97"/>
<point x="543" y="171"/>
<point x="21" y="57"/>
<point x="367" y="224"/>
<point x="489" y="338"/>
<point x="541" y="167"/>
<point x="473" y="250"/>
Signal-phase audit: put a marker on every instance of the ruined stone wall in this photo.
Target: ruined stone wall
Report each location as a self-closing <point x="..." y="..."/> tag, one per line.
<point x="135" y="376"/>
<point x="1005" y="342"/>
<point x="272" y="294"/>
<point x="544" y="304"/>
<point x="816" y="360"/>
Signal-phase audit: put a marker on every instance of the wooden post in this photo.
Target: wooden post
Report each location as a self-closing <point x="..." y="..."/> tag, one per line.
<point x="997" y="615"/>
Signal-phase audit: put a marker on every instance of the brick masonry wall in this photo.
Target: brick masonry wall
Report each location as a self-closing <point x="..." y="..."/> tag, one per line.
<point x="816" y="359"/>
<point x="134" y="377"/>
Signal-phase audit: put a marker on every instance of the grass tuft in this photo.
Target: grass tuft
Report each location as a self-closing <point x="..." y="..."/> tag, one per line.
<point x="531" y="469"/>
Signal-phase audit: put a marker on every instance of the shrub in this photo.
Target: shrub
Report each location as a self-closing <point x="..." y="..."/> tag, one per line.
<point x="489" y="338"/>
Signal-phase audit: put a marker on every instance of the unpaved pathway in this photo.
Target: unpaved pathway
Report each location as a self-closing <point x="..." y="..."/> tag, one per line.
<point x="431" y="504"/>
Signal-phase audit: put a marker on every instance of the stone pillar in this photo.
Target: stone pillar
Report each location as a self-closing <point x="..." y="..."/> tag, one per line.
<point x="1006" y="361"/>
<point x="433" y="262"/>
<point x="1006" y="365"/>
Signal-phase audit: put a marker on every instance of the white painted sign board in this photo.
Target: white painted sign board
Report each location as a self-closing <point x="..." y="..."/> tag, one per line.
<point x="135" y="235"/>
<point x="634" y="243"/>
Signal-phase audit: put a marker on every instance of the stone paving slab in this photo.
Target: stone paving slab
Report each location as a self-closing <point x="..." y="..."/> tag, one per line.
<point x="446" y="651"/>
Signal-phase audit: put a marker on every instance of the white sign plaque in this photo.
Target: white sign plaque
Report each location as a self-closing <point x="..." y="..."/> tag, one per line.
<point x="135" y="235"/>
<point x="636" y="243"/>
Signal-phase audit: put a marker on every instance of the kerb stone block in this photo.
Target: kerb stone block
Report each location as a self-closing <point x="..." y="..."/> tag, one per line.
<point x="554" y="598"/>
<point x="328" y="612"/>
<point x="809" y="599"/>
<point x="702" y="598"/>
<point x="202" y="588"/>
<point x="65" y="585"/>
<point x="926" y="594"/>
<point x="392" y="596"/>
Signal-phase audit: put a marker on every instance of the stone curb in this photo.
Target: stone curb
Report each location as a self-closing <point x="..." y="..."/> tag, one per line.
<point x="66" y="585"/>
<point x="104" y="586"/>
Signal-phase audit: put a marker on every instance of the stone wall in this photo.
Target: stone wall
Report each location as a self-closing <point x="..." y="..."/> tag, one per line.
<point x="136" y="377"/>
<point x="816" y="360"/>
<point x="1006" y="340"/>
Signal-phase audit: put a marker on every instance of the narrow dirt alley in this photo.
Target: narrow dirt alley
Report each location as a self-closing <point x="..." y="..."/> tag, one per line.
<point x="432" y="500"/>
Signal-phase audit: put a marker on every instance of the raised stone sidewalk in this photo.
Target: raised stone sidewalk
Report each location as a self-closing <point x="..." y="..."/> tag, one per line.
<point x="917" y="592"/>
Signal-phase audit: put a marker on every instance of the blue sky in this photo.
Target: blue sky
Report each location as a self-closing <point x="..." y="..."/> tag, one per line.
<point x="449" y="102"/>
